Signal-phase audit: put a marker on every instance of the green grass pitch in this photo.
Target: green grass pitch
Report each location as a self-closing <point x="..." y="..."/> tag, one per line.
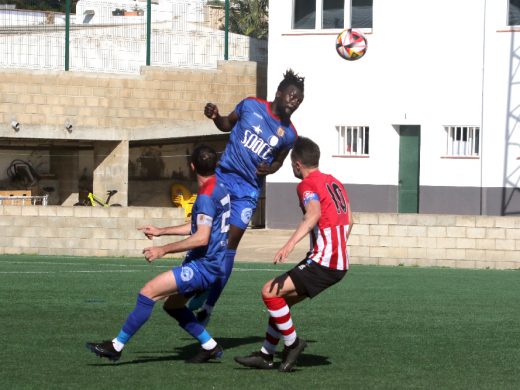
<point x="380" y="328"/>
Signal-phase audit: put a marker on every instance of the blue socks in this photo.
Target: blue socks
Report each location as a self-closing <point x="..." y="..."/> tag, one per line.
<point x="188" y="322"/>
<point x="136" y="319"/>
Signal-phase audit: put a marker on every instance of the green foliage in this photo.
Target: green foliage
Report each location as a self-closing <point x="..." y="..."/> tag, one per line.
<point x="43" y="5"/>
<point x="249" y="17"/>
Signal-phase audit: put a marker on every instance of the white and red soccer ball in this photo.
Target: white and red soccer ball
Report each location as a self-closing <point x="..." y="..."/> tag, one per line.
<point x="351" y="45"/>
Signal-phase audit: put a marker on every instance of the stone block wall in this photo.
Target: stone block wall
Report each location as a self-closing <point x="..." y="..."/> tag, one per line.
<point x="436" y="240"/>
<point x="378" y="239"/>
<point x="82" y="231"/>
<point x="45" y="101"/>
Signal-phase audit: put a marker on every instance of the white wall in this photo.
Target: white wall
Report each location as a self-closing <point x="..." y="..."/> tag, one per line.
<point x="424" y="66"/>
<point x="501" y="99"/>
<point x="164" y="10"/>
<point x="14" y="17"/>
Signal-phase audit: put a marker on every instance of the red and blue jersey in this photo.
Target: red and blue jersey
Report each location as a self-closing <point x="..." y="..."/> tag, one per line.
<point x="328" y="239"/>
<point x="212" y="207"/>
<point x="256" y="138"/>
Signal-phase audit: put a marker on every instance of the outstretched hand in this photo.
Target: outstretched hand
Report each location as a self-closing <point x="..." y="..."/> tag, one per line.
<point x="211" y="111"/>
<point x="149" y="231"/>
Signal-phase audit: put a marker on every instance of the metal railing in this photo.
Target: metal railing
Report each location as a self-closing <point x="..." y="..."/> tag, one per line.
<point x="121" y="36"/>
<point x="24" y="200"/>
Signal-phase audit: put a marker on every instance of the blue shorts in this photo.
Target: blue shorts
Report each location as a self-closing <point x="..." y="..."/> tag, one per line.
<point x="244" y="198"/>
<point x="190" y="278"/>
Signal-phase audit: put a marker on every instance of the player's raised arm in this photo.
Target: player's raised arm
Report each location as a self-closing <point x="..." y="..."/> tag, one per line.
<point x="198" y="239"/>
<point x="152" y="231"/>
<point x="310" y="219"/>
<point x="223" y="123"/>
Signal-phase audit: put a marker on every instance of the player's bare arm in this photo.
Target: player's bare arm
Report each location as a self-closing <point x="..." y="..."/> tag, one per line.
<point x="223" y="123"/>
<point x="310" y="219"/>
<point x="152" y="231"/>
<point x="197" y="239"/>
<point x="264" y="169"/>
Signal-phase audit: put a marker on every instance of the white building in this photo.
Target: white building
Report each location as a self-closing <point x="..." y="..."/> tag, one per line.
<point x="134" y="11"/>
<point x="427" y="121"/>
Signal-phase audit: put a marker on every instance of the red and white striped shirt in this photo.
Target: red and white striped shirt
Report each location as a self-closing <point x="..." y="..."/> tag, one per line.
<point x="328" y="240"/>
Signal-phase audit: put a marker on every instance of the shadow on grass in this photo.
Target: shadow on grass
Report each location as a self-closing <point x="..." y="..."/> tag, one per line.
<point x="304" y="360"/>
<point x="311" y="360"/>
<point x="182" y="352"/>
<point x="185" y="352"/>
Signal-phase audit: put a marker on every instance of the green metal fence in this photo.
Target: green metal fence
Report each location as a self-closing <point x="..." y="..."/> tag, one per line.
<point x="119" y="36"/>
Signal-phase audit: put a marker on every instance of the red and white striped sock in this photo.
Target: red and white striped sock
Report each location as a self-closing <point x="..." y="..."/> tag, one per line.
<point x="281" y="315"/>
<point x="272" y="337"/>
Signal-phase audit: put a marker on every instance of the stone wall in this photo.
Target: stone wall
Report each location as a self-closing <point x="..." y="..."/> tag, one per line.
<point x="82" y="231"/>
<point x="436" y="240"/>
<point x="153" y="104"/>
<point x="380" y="239"/>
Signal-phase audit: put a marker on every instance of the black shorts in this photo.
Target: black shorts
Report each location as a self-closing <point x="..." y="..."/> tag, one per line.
<point x="311" y="278"/>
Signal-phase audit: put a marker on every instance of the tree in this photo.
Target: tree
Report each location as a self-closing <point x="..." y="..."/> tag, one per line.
<point x="249" y="17"/>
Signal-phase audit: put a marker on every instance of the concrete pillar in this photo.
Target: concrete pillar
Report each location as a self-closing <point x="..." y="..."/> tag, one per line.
<point x="64" y="166"/>
<point x="111" y="170"/>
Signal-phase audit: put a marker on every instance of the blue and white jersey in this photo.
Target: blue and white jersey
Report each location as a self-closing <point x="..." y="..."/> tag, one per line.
<point x="212" y="207"/>
<point x="257" y="138"/>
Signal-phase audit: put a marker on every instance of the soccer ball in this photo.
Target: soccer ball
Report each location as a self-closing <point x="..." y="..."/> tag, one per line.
<point x="351" y="45"/>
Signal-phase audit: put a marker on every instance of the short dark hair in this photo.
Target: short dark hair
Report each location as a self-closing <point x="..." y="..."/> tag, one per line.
<point x="204" y="159"/>
<point x="307" y="152"/>
<point x="291" y="78"/>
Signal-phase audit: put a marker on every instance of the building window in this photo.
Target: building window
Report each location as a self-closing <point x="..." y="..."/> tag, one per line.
<point x="361" y="14"/>
<point x="332" y="14"/>
<point x="514" y="13"/>
<point x="353" y="140"/>
<point x="304" y="14"/>
<point x="462" y="141"/>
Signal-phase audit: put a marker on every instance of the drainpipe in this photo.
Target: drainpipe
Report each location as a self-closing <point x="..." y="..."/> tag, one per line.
<point x="148" y="30"/>
<point x="483" y="194"/>
<point x="67" y="34"/>
<point x="226" y="31"/>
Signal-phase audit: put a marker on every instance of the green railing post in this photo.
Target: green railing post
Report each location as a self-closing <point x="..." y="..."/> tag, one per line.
<point x="148" y="31"/>
<point x="226" y="31"/>
<point x="67" y="34"/>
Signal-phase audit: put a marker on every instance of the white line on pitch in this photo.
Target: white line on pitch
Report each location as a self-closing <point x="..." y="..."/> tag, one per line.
<point x="119" y="271"/>
<point x="119" y="265"/>
<point x="86" y="264"/>
<point x="122" y="265"/>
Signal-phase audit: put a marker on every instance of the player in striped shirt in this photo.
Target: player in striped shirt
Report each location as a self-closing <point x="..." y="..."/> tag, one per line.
<point x="328" y="220"/>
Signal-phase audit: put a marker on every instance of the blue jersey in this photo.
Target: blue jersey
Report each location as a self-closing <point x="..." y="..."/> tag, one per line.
<point x="211" y="207"/>
<point x="257" y="138"/>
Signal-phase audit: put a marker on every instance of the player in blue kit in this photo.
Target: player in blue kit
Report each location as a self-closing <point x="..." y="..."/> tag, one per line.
<point x="261" y="137"/>
<point x="203" y="265"/>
